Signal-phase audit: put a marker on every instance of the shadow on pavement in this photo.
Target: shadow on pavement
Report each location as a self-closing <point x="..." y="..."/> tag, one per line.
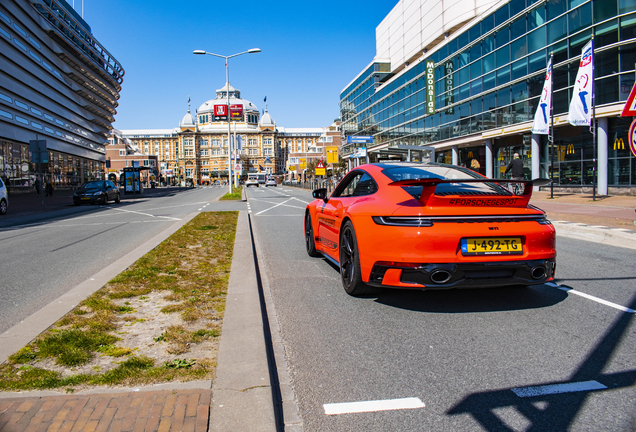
<point x="472" y="300"/>
<point x="556" y="412"/>
<point x="27" y="208"/>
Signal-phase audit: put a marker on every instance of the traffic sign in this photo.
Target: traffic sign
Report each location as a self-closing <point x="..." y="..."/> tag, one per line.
<point x="320" y="168"/>
<point x="630" y="106"/>
<point x="332" y="154"/>
<point x="362" y="139"/>
<point x="631" y="137"/>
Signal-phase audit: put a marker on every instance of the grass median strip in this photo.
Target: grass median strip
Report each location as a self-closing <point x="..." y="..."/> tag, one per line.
<point x="158" y="321"/>
<point x="237" y="194"/>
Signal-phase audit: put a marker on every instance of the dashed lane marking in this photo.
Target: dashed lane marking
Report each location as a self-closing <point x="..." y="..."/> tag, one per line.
<point x="542" y="390"/>
<point x="373" y="406"/>
<point x="591" y="297"/>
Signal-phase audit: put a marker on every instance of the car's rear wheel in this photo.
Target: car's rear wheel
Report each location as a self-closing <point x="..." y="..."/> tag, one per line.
<point x="310" y="242"/>
<point x="117" y="198"/>
<point x="350" y="263"/>
<point x="3" y="207"/>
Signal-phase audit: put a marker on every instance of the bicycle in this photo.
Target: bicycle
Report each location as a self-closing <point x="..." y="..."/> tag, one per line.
<point x="516" y="188"/>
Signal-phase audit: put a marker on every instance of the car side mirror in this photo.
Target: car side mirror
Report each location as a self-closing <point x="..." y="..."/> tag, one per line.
<point x="320" y="194"/>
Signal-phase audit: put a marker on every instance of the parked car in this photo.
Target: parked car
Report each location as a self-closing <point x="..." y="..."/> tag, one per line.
<point x="430" y="226"/>
<point x="97" y="191"/>
<point x="4" y="198"/>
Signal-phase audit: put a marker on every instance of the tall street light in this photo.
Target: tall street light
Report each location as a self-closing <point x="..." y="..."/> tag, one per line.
<point x="227" y="79"/>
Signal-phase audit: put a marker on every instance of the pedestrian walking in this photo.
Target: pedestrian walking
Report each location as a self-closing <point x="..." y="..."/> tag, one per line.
<point x="49" y="188"/>
<point x="36" y="184"/>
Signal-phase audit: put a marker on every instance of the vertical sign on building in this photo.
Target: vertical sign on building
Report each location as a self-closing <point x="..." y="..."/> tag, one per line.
<point x="430" y="87"/>
<point x="449" y="81"/>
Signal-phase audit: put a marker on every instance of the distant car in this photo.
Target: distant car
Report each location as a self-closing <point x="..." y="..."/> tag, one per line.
<point x="4" y="198"/>
<point x="252" y="180"/>
<point x="270" y="182"/>
<point x="97" y="191"/>
<point x="430" y="226"/>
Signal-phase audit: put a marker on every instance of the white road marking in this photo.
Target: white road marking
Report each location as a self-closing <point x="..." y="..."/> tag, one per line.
<point x="279" y="204"/>
<point x="146" y="214"/>
<point x="558" y="388"/>
<point x="372" y="406"/>
<point x="591" y="297"/>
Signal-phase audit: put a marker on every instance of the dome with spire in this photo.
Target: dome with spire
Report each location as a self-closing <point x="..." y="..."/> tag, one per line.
<point x="267" y="120"/>
<point x="188" y="120"/>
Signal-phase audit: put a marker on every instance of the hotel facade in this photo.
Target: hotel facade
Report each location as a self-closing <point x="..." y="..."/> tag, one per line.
<point x="57" y="84"/>
<point x="197" y="150"/>
<point x="459" y="83"/>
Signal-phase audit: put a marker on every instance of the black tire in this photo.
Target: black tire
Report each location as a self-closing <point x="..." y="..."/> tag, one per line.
<point x="117" y="198"/>
<point x="350" y="263"/>
<point x="76" y="203"/>
<point x="3" y="207"/>
<point x="310" y="242"/>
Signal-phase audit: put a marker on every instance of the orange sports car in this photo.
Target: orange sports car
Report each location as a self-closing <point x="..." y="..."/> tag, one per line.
<point x="430" y="226"/>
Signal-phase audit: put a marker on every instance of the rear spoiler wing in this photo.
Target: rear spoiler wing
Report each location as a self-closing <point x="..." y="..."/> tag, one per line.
<point x="430" y="184"/>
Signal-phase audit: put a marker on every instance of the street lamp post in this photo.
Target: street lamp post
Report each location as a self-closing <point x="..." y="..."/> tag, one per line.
<point x="227" y="79"/>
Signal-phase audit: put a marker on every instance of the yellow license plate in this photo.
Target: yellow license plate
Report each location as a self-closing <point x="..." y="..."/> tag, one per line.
<point x="492" y="246"/>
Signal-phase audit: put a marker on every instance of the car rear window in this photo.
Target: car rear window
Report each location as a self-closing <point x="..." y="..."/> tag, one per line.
<point x="444" y="172"/>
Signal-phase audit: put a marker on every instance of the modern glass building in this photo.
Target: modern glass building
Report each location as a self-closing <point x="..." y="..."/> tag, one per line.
<point x="461" y="82"/>
<point x="57" y="84"/>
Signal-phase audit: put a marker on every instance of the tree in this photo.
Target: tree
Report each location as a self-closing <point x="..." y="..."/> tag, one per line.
<point x="311" y="168"/>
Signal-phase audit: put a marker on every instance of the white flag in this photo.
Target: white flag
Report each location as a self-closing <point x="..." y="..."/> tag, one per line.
<point x="581" y="104"/>
<point x="541" y="125"/>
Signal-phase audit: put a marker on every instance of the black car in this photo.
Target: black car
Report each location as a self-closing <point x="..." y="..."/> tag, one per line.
<point x="97" y="191"/>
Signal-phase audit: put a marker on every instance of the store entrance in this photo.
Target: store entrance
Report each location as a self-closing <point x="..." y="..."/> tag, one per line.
<point x="505" y="152"/>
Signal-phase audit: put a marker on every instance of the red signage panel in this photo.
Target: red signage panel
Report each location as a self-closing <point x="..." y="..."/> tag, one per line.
<point x="220" y="110"/>
<point x="236" y="111"/>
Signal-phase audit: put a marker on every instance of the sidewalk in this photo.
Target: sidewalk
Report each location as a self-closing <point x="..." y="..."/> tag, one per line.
<point x="615" y="211"/>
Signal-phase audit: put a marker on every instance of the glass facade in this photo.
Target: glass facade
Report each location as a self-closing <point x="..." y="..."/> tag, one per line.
<point x="490" y="77"/>
<point x="17" y="170"/>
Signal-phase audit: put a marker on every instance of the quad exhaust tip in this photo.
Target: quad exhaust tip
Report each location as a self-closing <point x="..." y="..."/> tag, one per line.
<point x="440" y="276"/>
<point x="538" y="272"/>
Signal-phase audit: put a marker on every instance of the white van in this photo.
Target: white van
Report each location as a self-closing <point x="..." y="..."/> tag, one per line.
<point x="255" y="179"/>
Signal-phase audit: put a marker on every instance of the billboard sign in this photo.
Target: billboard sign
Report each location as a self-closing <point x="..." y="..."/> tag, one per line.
<point x="220" y="110"/>
<point x="236" y="111"/>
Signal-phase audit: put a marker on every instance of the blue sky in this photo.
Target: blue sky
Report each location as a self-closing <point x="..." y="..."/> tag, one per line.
<point x="310" y="52"/>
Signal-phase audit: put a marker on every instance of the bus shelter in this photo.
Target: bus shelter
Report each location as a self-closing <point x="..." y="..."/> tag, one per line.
<point x="132" y="179"/>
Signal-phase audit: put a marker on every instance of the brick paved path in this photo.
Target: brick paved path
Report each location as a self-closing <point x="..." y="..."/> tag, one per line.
<point x="178" y="410"/>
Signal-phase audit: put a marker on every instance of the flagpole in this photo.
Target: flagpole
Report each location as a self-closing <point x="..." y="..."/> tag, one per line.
<point x="551" y="136"/>
<point x="593" y="128"/>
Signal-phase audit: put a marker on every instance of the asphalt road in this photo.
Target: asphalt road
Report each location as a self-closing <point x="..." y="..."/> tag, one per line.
<point x="45" y="255"/>
<point x="543" y="358"/>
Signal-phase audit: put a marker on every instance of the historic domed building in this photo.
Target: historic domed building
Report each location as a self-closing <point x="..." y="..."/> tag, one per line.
<point x="198" y="149"/>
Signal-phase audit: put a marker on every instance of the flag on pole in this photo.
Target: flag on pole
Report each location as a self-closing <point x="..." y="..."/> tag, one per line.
<point x="541" y="125"/>
<point x="581" y="104"/>
<point x="265" y="100"/>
